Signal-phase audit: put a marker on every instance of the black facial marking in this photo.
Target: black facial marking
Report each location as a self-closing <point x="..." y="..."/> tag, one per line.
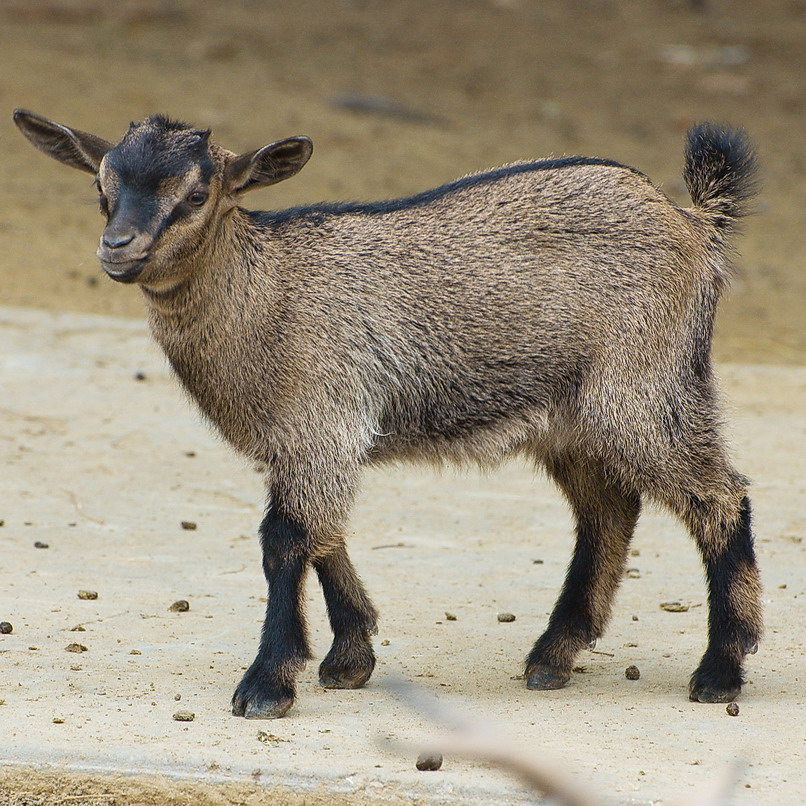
<point x="157" y="149"/>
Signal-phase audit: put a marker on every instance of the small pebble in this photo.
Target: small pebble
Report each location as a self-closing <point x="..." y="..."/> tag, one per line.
<point x="429" y="761"/>
<point x="82" y="594"/>
<point x="189" y="525"/>
<point x="57" y="720"/>
<point x="635" y="618"/>
<point x="139" y="376"/>
<point x="632" y="673"/>
<point x="674" y="607"/>
<point x="135" y="652"/>
<point x="75" y="648"/>
<point x="537" y="562"/>
<point x="184" y="716"/>
<point x="505" y="617"/>
<point x="6" y="628"/>
<point x="385" y="642"/>
<point x="180" y="606"/>
<point x="732" y="709"/>
<point x="78" y="628"/>
<point x="449" y="616"/>
<point x="632" y="573"/>
<point x="177" y="697"/>
<point x="38" y="544"/>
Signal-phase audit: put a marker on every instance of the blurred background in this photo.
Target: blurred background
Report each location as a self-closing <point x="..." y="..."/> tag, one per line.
<point x="402" y="95"/>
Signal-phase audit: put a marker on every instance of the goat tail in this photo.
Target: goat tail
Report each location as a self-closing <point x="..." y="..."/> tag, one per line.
<point x="721" y="172"/>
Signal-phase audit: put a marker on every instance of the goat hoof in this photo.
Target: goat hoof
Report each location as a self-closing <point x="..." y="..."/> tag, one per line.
<point x="254" y="700"/>
<point x="715" y="682"/>
<point x="352" y="673"/>
<point x="545" y="678"/>
<point x="713" y="695"/>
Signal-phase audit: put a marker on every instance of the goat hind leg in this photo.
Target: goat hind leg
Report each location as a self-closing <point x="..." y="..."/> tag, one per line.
<point x="734" y="597"/>
<point x="606" y="515"/>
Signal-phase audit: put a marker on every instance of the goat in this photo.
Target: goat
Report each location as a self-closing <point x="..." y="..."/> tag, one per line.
<point x="560" y="309"/>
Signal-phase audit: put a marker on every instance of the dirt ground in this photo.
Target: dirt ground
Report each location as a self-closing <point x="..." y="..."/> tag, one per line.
<point x="400" y="96"/>
<point x="458" y="86"/>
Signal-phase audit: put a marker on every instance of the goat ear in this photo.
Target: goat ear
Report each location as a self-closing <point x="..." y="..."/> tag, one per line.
<point x="71" y="146"/>
<point x="267" y="165"/>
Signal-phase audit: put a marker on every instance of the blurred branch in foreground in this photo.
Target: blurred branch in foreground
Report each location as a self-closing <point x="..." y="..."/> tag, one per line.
<point x="537" y="769"/>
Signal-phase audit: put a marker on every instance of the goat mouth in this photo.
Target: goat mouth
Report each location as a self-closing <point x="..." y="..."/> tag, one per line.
<point x="124" y="271"/>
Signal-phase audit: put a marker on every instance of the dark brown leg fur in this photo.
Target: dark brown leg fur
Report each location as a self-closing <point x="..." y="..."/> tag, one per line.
<point x="353" y="618"/>
<point x="267" y="690"/>
<point x="734" y="598"/>
<point x="606" y="516"/>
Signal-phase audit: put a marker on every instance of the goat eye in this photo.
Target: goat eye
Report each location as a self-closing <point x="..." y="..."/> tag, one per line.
<point x="197" y="198"/>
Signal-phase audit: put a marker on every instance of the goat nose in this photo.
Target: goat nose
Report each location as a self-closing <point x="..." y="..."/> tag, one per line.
<point x="114" y="239"/>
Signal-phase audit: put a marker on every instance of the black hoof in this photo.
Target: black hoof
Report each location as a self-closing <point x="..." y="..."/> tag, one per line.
<point x="546" y="678"/>
<point x="256" y="699"/>
<point x="347" y="668"/>
<point x="716" y="681"/>
<point x="713" y="695"/>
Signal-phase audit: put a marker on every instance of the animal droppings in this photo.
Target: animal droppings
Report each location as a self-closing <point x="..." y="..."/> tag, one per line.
<point x="632" y="673"/>
<point x="506" y="617"/>
<point x="82" y="594"/>
<point x="732" y="709"/>
<point x="269" y="738"/>
<point x="180" y="606"/>
<point x="6" y="628"/>
<point x="674" y="607"/>
<point x="449" y="616"/>
<point x="75" y="648"/>
<point x="184" y="716"/>
<point x="429" y="761"/>
<point x="38" y="544"/>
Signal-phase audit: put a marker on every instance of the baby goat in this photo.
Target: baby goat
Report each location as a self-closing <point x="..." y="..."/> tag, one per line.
<point x="559" y="309"/>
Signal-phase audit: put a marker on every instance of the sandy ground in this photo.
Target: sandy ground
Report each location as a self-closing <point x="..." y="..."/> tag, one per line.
<point x="442" y="89"/>
<point x="103" y="468"/>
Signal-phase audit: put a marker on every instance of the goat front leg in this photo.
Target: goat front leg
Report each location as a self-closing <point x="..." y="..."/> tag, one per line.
<point x="268" y="688"/>
<point x="353" y="618"/>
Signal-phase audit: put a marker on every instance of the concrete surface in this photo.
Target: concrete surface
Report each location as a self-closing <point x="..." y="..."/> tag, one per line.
<point x="103" y="467"/>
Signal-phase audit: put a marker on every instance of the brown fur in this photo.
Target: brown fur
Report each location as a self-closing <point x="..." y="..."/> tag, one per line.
<point x="562" y="311"/>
